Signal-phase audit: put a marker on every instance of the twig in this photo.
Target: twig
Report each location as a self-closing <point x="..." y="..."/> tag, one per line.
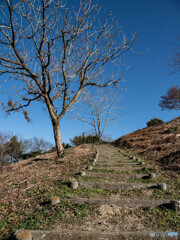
<point x="5" y="231"/>
<point x="30" y="186"/>
<point x="25" y="180"/>
<point x="25" y="188"/>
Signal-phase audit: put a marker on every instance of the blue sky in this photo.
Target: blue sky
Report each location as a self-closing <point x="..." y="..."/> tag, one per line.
<point x="157" y="23"/>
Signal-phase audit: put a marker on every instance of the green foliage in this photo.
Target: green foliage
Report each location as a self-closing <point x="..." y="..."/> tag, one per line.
<point x="173" y="129"/>
<point x="30" y="155"/>
<point x="160" y="218"/>
<point x="77" y="140"/>
<point x="83" y="192"/>
<point x="15" y="148"/>
<point x="66" y="145"/>
<point x="154" y="122"/>
<point x="44" y="217"/>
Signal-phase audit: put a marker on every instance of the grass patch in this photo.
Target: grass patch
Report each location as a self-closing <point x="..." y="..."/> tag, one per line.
<point x="25" y="202"/>
<point x="159" y="219"/>
<point x="142" y="170"/>
<point x="43" y="218"/>
<point x="148" y="193"/>
<point x="82" y="192"/>
<point x="141" y="180"/>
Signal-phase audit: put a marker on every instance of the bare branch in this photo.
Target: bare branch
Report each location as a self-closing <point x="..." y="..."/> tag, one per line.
<point x="99" y="110"/>
<point x="52" y="52"/>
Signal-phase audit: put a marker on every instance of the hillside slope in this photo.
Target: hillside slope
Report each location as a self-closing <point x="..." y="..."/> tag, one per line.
<point x="161" y="143"/>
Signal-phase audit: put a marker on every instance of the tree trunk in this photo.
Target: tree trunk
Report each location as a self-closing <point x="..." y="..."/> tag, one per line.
<point x="58" y="139"/>
<point x="56" y="127"/>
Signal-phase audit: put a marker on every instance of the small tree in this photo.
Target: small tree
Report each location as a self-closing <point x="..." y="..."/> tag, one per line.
<point x="78" y="140"/>
<point x="40" y="145"/>
<point x="50" y="53"/>
<point x="11" y="147"/>
<point x="154" y="122"/>
<point x="14" y="149"/>
<point x="171" y="101"/>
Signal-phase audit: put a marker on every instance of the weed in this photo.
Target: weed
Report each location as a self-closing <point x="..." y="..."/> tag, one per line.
<point x="66" y="192"/>
<point x="90" y="179"/>
<point x="173" y="130"/>
<point x="45" y="216"/>
<point x="142" y="170"/>
<point x="160" y="218"/>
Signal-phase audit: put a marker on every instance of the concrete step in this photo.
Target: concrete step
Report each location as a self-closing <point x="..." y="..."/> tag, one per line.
<point x="123" y="160"/>
<point x="115" y="186"/>
<point x="121" y="169"/>
<point x="94" y="235"/>
<point x="113" y="175"/>
<point x="123" y="202"/>
<point x="116" y="164"/>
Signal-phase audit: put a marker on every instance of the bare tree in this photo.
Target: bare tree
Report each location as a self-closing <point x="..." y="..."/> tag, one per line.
<point x="99" y="110"/>
<point x="171" y="101"/>
<point x="4" y="144"/>
<point x="40" y="145"/>
<point x="50" y="53"/>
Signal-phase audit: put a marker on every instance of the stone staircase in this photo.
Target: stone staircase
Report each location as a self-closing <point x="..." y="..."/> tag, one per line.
<point x="113" y="171"/>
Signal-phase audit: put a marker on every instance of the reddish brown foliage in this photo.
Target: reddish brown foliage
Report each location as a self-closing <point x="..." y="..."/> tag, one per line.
<point x="26" y="116"/>
<point x="171" y="100"/>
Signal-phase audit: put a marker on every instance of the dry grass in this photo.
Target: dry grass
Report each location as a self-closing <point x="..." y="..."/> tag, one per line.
<point x="160" y="142"/>
<point x="24" y="185"/>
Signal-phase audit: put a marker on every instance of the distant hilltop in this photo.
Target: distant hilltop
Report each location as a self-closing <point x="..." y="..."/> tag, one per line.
<point x="161" y="143"/>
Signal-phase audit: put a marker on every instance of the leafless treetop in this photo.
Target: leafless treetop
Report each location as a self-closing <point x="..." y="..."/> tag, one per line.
<point x="51" y="52"/>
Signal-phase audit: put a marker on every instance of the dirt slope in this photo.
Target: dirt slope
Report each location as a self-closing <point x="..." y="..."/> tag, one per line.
<point x="161" y="143"/>
<point x="24" y="185"/>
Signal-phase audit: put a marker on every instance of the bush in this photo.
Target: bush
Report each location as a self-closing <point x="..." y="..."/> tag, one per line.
<point x="11" y="148"/>
<point x="77" y="140"/>
<point x="154" y="122"/>
<point x="173" y="130"/>
<point x="14" y="149"/>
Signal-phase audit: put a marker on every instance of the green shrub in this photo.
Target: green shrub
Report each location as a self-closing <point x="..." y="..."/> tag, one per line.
<point x="173" y="129"/>
<point x="154" y="122"/>
<point x="30" y="155"/>
<point x="77" y="140"/>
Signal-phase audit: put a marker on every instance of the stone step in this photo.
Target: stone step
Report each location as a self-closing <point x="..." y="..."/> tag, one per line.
<point x="116" y="160"/>
<point x="113" y="175"/>
<point x="94" y="235"/>
<point x="123" y="202"/>
<point x="116" y="186"/>
<point x="121" y="169"/>
<point x="117" y="164"/>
